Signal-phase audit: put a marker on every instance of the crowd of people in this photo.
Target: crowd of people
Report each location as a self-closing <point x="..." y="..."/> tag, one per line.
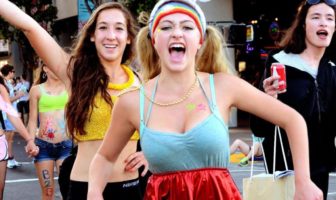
<point x="168" y="122"/>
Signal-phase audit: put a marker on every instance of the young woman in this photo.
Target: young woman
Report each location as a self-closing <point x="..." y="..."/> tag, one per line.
<point x="183" y="109"/>
<point x="311" y="86"/>
<point x="46" y="121"/>
<point x="94" y="74"/>
<point x="13" y="116"/>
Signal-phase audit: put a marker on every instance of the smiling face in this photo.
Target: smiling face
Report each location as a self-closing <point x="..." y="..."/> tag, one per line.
<point x="320" y="25"/>
<point x="110" y="35"/>
<point x="176" y="40"/>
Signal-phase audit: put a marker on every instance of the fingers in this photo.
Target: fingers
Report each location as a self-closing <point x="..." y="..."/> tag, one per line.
<point x="144" y="172"/>
<point x="32" y="150"/>
<point x="271" y="86"/>
<point x="135" y="161"/>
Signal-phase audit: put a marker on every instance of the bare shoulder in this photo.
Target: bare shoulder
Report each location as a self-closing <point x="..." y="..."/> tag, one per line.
<point x="35" y="90"/>
<point x="129" y="98"/>
<point x="227" y="82"/>
<point x="2" y="89"/>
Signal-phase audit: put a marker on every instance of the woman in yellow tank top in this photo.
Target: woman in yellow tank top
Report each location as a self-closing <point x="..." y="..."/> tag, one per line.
<point x="92" y="73"/>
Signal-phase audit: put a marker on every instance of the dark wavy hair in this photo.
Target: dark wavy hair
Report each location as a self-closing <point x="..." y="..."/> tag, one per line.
<point x="86" y="72"/>
<point x="294" y="40"/>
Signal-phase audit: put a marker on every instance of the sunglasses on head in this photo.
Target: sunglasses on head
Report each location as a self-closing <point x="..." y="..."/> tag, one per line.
<point x="328" y="2"/>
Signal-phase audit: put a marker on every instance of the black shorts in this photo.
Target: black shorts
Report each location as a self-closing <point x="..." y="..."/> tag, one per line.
<point x="117" y="191"/>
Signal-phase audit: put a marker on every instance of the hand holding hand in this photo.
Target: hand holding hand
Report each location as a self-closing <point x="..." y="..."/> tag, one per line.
<point x="31" y="149"/>
<point x="135" y="161"/>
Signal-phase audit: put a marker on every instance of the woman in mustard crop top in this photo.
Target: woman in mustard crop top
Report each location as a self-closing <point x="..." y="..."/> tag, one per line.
<point x="92" y="73"/>
<point x="182" y="113"/>
<point x="48" y="98"/>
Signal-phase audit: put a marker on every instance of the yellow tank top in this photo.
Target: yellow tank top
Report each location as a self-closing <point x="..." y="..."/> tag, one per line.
<point x="99" y="121"/>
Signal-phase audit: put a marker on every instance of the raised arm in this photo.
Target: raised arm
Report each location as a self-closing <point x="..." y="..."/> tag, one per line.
<point x="270" y="109"/>
<point x="45" y="46"/>
<point x="31" y="149"/>
<point x="118" y="135"/>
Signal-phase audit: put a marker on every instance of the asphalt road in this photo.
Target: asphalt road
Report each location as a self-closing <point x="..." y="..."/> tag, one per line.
<point x="22" y="183"/>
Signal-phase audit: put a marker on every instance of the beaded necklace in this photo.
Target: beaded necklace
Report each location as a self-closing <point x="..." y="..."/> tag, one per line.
<point x="122" y="86"/>
<point x="177" y="101"/>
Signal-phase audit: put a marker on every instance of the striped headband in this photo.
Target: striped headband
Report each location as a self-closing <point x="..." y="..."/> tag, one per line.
<point x="167" y="7"/>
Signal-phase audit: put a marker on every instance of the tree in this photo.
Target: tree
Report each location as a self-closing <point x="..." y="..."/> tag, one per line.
<point x="44" y="13"/>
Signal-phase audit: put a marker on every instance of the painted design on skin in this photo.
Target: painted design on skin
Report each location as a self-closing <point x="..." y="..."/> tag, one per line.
<point x="201" y="106"/>
<point x="48" y="131"/>
<point x="191" y="106"/>
<point x="47" y="183"/>
<point x="61" y="125"/>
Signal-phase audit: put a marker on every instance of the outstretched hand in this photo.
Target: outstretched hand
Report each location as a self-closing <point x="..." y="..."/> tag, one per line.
<point x="135" y="161"/>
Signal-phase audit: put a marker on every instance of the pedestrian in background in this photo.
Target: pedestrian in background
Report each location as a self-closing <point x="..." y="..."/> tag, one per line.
<point x="311" y="86"/>
<point x="23" y="103"/>
<point x="48" y="98"/>
<point x="254" y="150"/>
<point x="183" y="109"/>
<point x="94" y="74"/>
<point x="8" y="73"/>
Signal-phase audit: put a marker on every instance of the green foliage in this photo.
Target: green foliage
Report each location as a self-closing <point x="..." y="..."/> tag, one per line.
<point x="43" y="12"/>
<point x="140" y="5"/>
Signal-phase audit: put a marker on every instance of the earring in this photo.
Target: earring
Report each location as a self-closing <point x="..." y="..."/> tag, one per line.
<point x="44" y="75"/>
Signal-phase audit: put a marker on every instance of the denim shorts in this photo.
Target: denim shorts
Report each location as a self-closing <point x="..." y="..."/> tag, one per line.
<point x="51" y="151"/>
<point x="8" y="125"/>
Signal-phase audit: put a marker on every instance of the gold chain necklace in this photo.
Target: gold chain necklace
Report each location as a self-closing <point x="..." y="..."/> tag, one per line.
<point x="177" y="101"/>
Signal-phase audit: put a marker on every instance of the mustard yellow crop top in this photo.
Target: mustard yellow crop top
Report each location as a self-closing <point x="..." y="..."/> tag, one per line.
<point x="99" y="122"/>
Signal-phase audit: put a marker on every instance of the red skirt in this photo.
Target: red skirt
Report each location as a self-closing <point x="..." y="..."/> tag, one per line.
<point x="198" y="184"/>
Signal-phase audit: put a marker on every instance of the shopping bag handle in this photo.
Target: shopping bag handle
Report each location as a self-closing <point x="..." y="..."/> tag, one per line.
<point x="277" y="133"/>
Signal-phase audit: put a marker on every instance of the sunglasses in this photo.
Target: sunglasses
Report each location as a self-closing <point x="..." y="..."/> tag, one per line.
<point x="328" y="2"/>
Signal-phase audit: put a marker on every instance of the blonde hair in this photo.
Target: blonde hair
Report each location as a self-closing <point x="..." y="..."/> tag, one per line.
<point x="211" y="58"/>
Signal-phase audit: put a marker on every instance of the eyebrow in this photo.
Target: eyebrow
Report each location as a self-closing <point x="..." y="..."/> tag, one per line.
<point x="106" y="23"/>
<point x="184" y="21"/>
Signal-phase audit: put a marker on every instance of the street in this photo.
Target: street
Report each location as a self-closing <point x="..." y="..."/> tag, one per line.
<point x="22" y="183"/>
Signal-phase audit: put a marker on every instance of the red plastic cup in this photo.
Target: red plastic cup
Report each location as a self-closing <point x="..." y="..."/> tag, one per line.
<point x="278" y="69"/>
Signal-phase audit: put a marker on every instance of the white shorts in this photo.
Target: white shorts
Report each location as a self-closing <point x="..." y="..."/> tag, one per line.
<point x="3" y="148"/>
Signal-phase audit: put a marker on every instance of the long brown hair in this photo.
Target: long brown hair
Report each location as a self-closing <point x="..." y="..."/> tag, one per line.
<point x="294" y="40"/>
<point x="87" y="74"/>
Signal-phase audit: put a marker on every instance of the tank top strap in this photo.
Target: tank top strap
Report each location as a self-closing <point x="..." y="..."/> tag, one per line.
<point x="210" y="101"/>
<point x="142" y="102"/>
<point x="143" y="122"/>
<point x="212" y="90"/>
<point x="42" y="89"/>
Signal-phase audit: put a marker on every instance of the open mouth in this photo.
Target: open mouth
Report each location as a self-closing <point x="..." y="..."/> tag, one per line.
<point x="322" y="33"/>
<point x="177" y="52"/>
<point x="178" y="48"/>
